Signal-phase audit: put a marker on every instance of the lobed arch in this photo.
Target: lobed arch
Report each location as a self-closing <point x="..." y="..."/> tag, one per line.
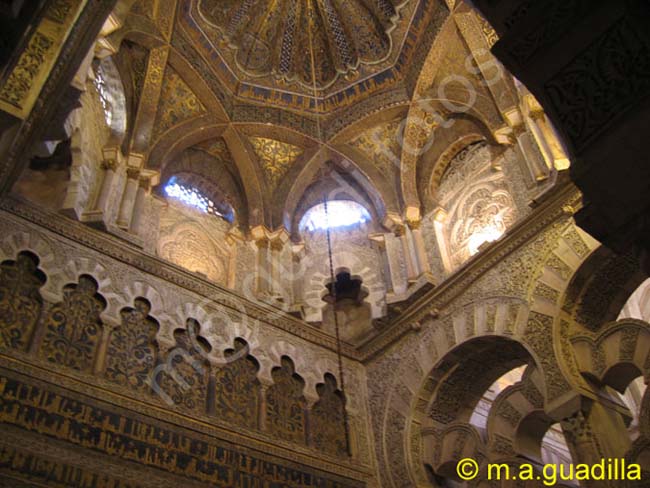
<point x="533" y="317"/>
<point x="600" y="287"/>
<point x="174" y="313"/>
<point x="616" y="355"/>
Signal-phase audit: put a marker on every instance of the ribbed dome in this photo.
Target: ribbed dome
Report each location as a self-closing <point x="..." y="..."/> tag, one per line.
<point x="295" y="39"/>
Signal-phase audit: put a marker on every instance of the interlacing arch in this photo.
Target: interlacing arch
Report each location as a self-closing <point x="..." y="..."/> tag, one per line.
<point x="432" y="407"/>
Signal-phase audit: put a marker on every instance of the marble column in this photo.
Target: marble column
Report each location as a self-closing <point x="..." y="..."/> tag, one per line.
<point x="276" y="247"/>
<point x="109" y="166"/>
<point x="128" y="198"/>
<point x="139" y="205"/>
<point x="263" y="272"/>
<point x="394" y="258"/>
<point x="558" y="156"/>
<point x="102" y="348"/>
<point x="420" y="249"/>
<point x="264" y="386"/>
<point x="539" y="171"/>
<point x="407" y="251"/>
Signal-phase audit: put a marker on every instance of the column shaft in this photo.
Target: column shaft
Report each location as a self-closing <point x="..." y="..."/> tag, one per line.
<point x="128" y="198"/>
<point x="139" y="206"/>
<point x="109" y="168"/>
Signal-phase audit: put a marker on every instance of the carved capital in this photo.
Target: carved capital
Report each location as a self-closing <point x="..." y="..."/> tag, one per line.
<point x="537" y="115"/>
<point x="414" y="224"/>
<point x="262" y="243"/>
<point x="144" y="183"/>
<point x="577" y="428"/>
<point x="109" y="164"/>
<point x="277" y="245"/>
<point x="133" y="173"/>
<point x="518" y="130"/>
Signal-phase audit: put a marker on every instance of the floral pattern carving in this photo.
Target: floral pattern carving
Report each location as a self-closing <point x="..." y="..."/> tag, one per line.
<point x="186" y="380"/>
<point x="20" y="300"/>
<point x="285" y="404"/>
<point x="73" y="328"/>
<point x="237" y="389"/>
<point x="19" y="83"/>
<point x="132" y="350"/>
<point x="327" y="419"/>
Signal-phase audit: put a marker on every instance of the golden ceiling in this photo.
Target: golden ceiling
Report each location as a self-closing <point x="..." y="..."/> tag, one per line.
<point x="302" y="44"/>
<point x="308" y="55"/>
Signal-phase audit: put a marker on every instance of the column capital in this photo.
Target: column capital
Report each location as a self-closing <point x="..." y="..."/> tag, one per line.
<point x="537" y="115"/>
<point x="262" y="243"/>
<point x="399" y="230"/>
<point x="414" y="224"/>
<point x="109" y="164"/>
<point x="144" y="183"/>
<point x="518" y="130"/>
<point x="276" y="244"/>
<point x="133" y="173"/>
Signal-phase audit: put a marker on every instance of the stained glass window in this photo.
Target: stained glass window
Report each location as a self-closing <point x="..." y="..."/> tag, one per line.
<point x="340" y="213"/>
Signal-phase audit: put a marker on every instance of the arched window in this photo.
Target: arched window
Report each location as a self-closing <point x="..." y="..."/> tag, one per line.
<point x="191" y="196"/>
<point x="340" y="213"/>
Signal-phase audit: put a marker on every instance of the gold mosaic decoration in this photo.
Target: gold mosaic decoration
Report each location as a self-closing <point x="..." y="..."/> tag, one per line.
<point x="177" y="103"/>
<point x="216" y="148"/>
<point x="276" y="157"/>
<point x="381" y="145"/>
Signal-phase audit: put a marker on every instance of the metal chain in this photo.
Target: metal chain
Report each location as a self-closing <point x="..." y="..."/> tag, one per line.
<point x="346" y="420"/>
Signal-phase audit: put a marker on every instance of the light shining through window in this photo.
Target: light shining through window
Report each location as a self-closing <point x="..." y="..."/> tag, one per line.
<point x="489" y="233"/>
<point x="341" y="213"/>
<point x="102" y="89"/>
<point x="190" y="196"/>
